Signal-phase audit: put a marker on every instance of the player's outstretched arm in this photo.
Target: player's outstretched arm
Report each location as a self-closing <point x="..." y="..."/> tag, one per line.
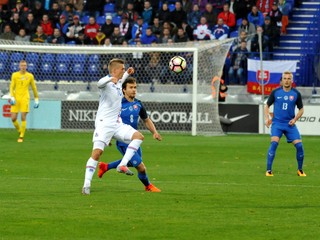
<point x="149" y="124"/>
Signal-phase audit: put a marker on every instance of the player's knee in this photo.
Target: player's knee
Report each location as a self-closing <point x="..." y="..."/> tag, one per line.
<point x="138" y="135"/>
<point x="273" y="147"/>
<point x="299" y="147"/>
<point x="96" y="154"/>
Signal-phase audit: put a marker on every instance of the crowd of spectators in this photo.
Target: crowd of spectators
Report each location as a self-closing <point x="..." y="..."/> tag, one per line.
<point x="122" y="22"/>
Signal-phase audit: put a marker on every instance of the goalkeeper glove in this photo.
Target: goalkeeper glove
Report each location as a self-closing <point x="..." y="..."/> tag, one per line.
<point x="36" y="103"/>
<point x="12" y="101"/>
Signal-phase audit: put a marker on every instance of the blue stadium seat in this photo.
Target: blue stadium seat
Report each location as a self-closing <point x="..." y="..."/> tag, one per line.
<point x="85" y="19"/>
<point x="116" y="20"/>
<point x="15" y="60"/>
<point x="109" y="8"/>
<point x="3" y="65"/>
<point x="78" y="67"/>
<point x="101" y="20"/>
<point x="234" y="34"/>
<point x="46" y="67"/>
<point x="172" y="7"/>
<point x="94" y="67"/>
<point x="239" y="22"/>
<point x="32" y="61"/>
<point x="94" y="58"/>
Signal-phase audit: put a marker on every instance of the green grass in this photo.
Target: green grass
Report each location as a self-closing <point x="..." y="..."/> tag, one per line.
<point x="212" y="188"/>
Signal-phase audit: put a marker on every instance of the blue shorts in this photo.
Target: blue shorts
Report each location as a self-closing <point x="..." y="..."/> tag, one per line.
<point x="137" y="157"/>
<point x="291" y="132"/>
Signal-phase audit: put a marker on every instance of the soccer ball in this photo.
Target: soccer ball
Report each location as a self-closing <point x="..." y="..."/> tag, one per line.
<point x="177" y="64"/>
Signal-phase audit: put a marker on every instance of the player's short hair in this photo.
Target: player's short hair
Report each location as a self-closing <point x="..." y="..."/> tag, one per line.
<point x="23" y="61"/>
<point x="130" y="80"/>
<point x="113" y="63"/>
<point x="287" y="72"/>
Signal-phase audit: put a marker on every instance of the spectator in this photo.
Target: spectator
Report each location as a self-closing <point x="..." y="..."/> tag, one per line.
<point x="210" y="15"/>
<point x="202" y="32"/>
<point x="22" y="37"/>
<point x="148" y="13"/>
<point x="238" y="67"/>
<point x="154" y="68"/>
<point x="188" y="30"/>
<point x="220" y="31"/>
<point x="54" y="13"/>
<point x="157" y="27"/>
<point x="242" y="37"/>
<point x="275" y="15"/>
<point x="121" y="4"/>
<point x="271" y="32"/>
<point x="218" y="5"/>
<point x="178" y="15"/>
<point x="181" y="36"/>
<point x="30" y="25"/>
<point x="264" y="6"/>
<point x="285" y="9"/>
<point x="228" y="17"/>
<point x="116" y="38"/>
<point x="46" y="25"/>
<point x="100" y="38"/>
<point x="7" y="33"/>
<point x="75" y="31"/>
<point x="187" y="5"/>
<point x="21" y="10"/>
<point x="93" y="8"/>
<point x="149" y="37"/>
<point x="15" y="23"/>
<point x="108" y="27"/>
<point x="38" y="36"/>
<point x="202" y="4"/>
<point x="172" y="28"/>
<point x="138" y="30"/>
<point x="107" y="42"/>
<point x="248" y="27"/>
<point x="131" y="14"/>
<point x="91" y="30"/>
<point x="256" y="17"/>
<point x="247" y="7"/>
<point x="255" y="49"/>
<point x="78" y="7"/>
<point x="56" y="38"/>
<point x="138" y="6"/>
<point x="4" y="14"/>
<point x="165" y="36"/>
<point x="194" y="16"/>
<point x="69" y="13"/>
<point x="63" y="25"/>
<point x="125" y="28"/>
<point x="164" y="13"/>
<point x="38" y="11"/>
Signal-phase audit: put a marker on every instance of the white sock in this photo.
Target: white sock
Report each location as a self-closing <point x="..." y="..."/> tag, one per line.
<point x="132" y="148"/>
<point x="90" y="169"/>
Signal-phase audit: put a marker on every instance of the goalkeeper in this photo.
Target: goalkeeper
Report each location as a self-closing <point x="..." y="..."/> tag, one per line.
<point x="131" y="110"/>
<point x="20" y="97"/>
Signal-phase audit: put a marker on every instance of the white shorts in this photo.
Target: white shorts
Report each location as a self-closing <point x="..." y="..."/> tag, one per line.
<point x="121" y="132"/>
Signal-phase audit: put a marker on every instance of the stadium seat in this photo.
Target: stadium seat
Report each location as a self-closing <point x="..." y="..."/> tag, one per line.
<point x="3" y="65"/>
<point x="94" y="58"/>
<point x="93" y="67"/>
<point x="85" y="19"/>
<point x="46" y="67"/>
<point x="101" y="20"/>
<point x="78" y="67"/>
<point x="116" y="20"/>
<point x="234" y="34"/>
<point x="109" y="8"/>
<point x="33" y="62"/>
<point x="171" y="7"/>
<point x="15" y="60"/>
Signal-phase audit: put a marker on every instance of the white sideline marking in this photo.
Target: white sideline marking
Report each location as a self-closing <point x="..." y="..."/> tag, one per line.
<point x="176" y="182"/>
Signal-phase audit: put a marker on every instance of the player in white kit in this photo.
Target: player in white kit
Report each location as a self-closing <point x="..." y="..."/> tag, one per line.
<point x="108" y="123"/>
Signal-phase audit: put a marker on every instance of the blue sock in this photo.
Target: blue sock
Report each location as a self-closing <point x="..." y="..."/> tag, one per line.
<point x="300" y="154"/>
<point x="144" y="178"/>
<point x="271" y="155"/>
<point x="113" y="164"/>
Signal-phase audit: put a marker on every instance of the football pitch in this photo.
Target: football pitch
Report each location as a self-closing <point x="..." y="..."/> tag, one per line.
<point x="212" y="188"/>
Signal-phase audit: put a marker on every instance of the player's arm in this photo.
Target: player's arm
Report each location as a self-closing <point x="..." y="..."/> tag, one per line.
<point x="148" y="123"/>
<point x="127" y="73"/>
<point x="104" y="81"/>
<point x="300" y="112"/>
<point x="12" y="90"/>
<point x="267" y="114"/>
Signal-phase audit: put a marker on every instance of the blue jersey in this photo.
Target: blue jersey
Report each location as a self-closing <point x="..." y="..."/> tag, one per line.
<point x="284" y="104"/>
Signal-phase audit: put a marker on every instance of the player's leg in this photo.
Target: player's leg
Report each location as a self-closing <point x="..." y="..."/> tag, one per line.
<point x="23" y="125"/>
<point x="294" y="136"/>
<point x="128" y="134"/>
<point x="276" y="133"/>
<point x="14" y="119"/>
<point x="143" y="177"/>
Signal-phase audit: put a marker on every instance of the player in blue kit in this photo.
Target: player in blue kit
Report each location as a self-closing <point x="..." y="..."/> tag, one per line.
<point x="284" y="100"/>
<point x="132" y="110"/>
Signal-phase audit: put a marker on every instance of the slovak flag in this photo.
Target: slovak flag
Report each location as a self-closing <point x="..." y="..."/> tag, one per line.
<point x="272" y="73"/>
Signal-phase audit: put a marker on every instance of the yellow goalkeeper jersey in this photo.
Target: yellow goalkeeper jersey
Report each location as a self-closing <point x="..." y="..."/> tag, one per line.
<point x="19" y="86"/>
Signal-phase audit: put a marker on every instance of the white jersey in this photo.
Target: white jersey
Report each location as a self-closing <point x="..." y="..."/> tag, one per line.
<point x="110" y="100"/>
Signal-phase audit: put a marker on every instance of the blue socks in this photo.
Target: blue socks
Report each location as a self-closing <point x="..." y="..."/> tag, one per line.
<point x="113" y="164"/>
<point x="271" y="155"/>
<point x="144" y="178"/>
<point x="300" y="154"/>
